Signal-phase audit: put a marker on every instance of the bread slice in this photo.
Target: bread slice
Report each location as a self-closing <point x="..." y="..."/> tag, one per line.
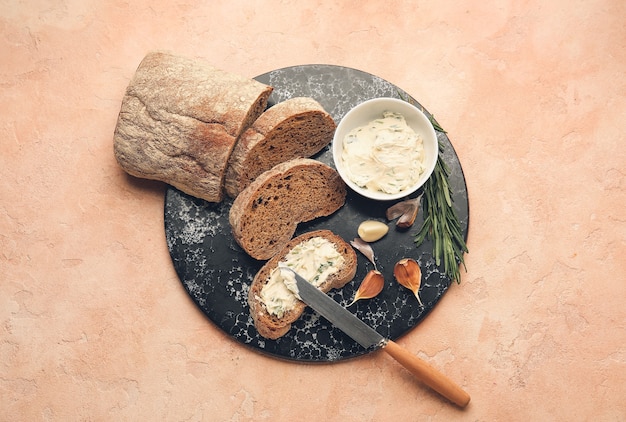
<point x="264" y="216"/>
<point x="269" y="325"/>
<point x="297" y="127"/>
<point x="179" y="121"/>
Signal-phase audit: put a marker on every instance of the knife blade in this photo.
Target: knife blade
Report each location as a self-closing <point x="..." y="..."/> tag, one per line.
<point x="367" y="337"/>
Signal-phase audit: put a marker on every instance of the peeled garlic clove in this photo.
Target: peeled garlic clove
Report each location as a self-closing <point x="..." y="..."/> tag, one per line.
<point x="371" y="230"/>
<point x="370" y="287"/>
<point x="409" y="274"/>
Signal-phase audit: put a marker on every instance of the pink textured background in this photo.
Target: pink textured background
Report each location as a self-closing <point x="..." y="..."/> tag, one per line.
<point x="94" y="324"/>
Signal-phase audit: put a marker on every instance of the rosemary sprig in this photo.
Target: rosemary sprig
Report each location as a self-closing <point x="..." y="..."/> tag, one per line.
<point x="441" y="224"/>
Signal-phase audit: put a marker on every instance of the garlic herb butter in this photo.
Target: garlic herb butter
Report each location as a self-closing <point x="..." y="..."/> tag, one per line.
<point x="385" y="155"/>
<point x="315" y="260"/>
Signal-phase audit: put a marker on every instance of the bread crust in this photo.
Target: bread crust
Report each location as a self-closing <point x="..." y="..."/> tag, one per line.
<point x="179" y="121"/>
<point x="272" y="327"/>
<point x="297" y="127"/>
<point x="264" y="216"/>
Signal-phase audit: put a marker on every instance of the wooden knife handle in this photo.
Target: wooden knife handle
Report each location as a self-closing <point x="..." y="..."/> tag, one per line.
<point x="427" y="374"/>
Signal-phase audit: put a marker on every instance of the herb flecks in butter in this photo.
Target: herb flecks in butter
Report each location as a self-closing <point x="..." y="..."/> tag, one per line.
<point x="385" y="155"/>
<point x="315" y="260"/>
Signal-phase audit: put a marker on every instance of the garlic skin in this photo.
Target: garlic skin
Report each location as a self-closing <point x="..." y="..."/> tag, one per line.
<point x="372" y="230"/>
<point x="370" y="287"/>
<point x="409" y="274"/>
<point x="365" y="248"/>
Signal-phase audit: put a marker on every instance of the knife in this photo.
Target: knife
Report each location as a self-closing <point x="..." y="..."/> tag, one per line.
<point x="367" y="337"/>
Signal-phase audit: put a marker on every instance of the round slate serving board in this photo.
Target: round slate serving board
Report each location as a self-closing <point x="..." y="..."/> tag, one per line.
<point x="217" y="273"/>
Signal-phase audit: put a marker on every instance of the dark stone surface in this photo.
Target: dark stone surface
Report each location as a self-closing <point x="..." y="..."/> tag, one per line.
<point x="217" y="273"/>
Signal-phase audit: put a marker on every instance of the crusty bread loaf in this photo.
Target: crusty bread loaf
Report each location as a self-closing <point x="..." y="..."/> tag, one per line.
<point x="297" y="127"/>
<point x="273" y="327"/>
<point x="264" y="216"/>
<point x="179" y="121"/>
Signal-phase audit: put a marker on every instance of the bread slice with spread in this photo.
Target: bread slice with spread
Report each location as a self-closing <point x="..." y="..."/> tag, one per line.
<point x="297" y="127"/>
<point x="264" y="216"/>
<point x="321" y="257"/>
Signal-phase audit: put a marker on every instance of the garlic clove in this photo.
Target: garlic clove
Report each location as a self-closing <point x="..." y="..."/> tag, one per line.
<point x="372" y="230"/>
<point x="409" y="274"/>
<point x="396" y="210"/>
<point x="370" y="287"/>
<point x="405" y="211"/>
<point x="365" y="248"/>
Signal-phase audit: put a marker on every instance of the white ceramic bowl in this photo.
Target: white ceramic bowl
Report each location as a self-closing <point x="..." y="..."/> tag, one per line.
<point x="372" y="109"/>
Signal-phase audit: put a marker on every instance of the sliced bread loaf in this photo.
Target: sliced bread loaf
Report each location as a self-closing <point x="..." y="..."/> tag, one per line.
<point x="274" y="309"/>
<point x="264" y="216"/>
<point x="179" y="121"/>
<point x="297" y="127"/>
